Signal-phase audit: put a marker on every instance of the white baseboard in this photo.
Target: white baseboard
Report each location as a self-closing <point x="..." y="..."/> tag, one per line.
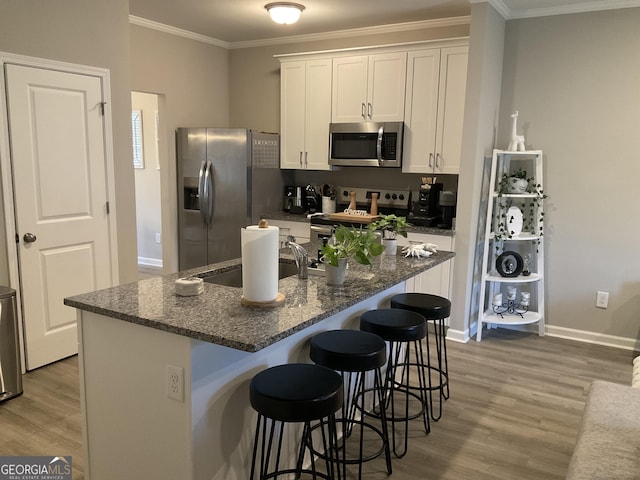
<point x="152" y="262"/>
<point x="461" y="336"/>
<point x="559" y="332"/>
<point x="593" y="337"/>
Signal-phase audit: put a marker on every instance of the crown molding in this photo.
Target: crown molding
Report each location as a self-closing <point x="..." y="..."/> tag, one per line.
<point x="584" y="6"/>
<point x="356" y="32"/>
<point x="499" y="5"/>
<point x="397" y="27"/>
<point x="576" y="8"/>
<point x="143" y="22"/>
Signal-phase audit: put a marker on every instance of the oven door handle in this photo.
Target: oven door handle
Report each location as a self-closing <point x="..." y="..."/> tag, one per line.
<point x="379" y="145"/>
<point x="322" y="229"/>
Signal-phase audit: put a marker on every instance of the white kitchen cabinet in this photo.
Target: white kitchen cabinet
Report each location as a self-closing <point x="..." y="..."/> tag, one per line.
<point x="369" y="88"/>
<point x="305" y="102"/>
<point x="437" y="280"/>
<point x="434" y="110"/>
<point x="513" y="240"/>
<point x="301" y="230"/>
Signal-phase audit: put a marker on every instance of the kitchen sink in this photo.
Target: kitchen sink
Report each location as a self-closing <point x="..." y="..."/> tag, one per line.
<point x="233" y="277"/>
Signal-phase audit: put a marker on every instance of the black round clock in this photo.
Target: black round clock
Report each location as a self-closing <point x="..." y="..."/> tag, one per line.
<point x="509" y="264"/>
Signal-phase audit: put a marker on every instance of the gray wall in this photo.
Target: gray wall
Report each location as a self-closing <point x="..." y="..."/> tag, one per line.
<point x="85" y="32"/>
<point x="575" y="80"/>
<point x="480" y="125"/>
<point x="192" y="80"/>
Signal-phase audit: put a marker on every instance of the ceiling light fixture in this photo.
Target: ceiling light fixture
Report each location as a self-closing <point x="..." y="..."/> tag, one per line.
<point x="284" y="13"/>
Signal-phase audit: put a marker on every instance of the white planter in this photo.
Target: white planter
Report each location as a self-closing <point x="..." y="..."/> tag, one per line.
<point x="391" y="246"/>
<point x="517" y="185"/>
<point x="335" y="275"/>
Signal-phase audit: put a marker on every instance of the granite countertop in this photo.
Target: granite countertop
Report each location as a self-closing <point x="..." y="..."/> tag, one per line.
<point x="302" y="217"/>
<point x="217" y="316"/>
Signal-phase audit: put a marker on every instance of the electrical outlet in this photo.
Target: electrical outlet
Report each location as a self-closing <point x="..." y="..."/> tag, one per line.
<point x="158" y="237"/>
<point x="175" y="382"/>
<point x="602" y="300"/>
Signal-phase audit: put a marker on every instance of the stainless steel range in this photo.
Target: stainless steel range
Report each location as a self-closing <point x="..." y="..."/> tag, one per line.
<point x="395" y="201"/>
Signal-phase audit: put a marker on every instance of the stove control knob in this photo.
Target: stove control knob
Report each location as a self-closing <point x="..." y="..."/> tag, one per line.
<point x="345" y="193"/>
<point x="387" y="196"/>
<point x="401" y="197"/>
<point x="394" y="196"/>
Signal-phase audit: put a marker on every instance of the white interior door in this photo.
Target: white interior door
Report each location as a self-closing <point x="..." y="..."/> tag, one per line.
<point x="58" y="159"/>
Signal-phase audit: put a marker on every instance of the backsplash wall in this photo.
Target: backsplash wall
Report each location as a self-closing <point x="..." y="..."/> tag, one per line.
<point x="369" y="177"/>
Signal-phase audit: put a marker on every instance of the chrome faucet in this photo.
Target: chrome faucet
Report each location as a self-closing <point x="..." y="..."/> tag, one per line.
<point x="300" y="255"/>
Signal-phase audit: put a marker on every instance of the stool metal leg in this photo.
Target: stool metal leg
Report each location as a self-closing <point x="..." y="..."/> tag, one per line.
<point x="403" y="386"/>
<point x="442" y="369"/>
<point x="355" y="402"/>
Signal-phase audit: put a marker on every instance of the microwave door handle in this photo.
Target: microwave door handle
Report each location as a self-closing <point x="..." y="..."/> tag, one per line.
<point x="208" y="179"/>
<point x="202" y="192"/>
<point x="379" y="145"/>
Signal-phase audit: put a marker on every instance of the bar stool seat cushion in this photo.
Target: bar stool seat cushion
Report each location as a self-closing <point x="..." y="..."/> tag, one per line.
<point x="432" y="307"/>
<point x="296" y="392"/>
<point x="394" y="325"/>
<point x="348" y="350"/>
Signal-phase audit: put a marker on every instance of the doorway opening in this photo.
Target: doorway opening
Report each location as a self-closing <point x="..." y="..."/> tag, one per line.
<point x="147" y="154"/>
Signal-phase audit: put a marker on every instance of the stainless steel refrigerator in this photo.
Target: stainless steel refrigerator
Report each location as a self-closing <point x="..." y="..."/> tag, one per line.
<point x="227" y="178"/>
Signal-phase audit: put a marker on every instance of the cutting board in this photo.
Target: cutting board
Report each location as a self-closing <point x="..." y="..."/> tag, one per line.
<point x="345" y="217"/>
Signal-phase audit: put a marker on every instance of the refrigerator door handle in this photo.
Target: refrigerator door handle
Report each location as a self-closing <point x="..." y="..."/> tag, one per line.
<point x="202" y="192"/>
<point x="208" y="182"/>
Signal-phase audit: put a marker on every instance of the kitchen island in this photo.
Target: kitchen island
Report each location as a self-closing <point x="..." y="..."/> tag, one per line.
<point x="164" y="380"/>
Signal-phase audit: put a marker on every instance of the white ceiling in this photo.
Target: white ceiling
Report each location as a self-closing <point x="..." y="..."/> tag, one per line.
<point x="233" y="21"/>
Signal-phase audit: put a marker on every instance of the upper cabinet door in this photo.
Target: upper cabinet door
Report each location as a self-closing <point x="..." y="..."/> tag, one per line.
<point x="317" y="114"/>
<point x="421" y="110"/>
<point x="386" y="87"/>
<point x="453" y="86"/>
<point x="349" y="97"/>
<point x="434" y="111"/>
<point x="305" y="106"/>
<point x="369" y="88"/>
<point x="292" y="114"/>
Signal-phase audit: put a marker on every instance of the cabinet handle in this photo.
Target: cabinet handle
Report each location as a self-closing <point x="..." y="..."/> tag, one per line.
<point x="300" y="158"/>
<point x="369" y="109"/>
<point x="431" y="159"/>
<point x="437" y="162"/>
<point x="362" y="111"/>
<point x="306" y="155"/>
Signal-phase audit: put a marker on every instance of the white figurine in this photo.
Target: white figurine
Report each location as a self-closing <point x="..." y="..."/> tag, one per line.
<point x="517" y="141"/>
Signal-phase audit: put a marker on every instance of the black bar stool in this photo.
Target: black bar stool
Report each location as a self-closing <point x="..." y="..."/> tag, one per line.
<point x="355" y="353"/>
<point x="434" y="309"/>
<point x="404" y="330"/>
<point x="301" y="393"/>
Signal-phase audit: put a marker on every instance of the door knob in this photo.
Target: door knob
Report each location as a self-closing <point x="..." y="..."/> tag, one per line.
<point x="29" y="238"/>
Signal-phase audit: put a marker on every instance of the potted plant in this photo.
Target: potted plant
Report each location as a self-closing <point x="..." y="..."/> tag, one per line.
<point x="529" y="203"/>
<point x="360" y="244"/>
<point x="391" y="226"/>
<point x="516" y="182"/>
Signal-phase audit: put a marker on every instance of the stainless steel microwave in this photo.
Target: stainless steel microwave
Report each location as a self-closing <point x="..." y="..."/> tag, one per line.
<point x="366" y="144"/>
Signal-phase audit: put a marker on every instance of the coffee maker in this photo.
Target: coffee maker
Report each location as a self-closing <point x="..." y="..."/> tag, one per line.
<point x="426" y="210"/>
<point x="447" y="201"/>
<point x="292" y="201"/>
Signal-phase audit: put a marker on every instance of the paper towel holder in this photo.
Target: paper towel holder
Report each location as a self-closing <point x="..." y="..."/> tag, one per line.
<point x="279" y="300"/>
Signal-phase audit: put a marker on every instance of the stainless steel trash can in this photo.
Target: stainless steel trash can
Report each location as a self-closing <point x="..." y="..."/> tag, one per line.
<point x="10" y="368"/>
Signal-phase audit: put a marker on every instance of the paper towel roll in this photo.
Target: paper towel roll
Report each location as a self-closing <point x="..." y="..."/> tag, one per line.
<point x="260" y="263"/>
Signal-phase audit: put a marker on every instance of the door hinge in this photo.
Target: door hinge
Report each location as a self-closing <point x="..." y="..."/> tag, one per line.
<point x="17" y="238"/>
<point x="107" y="208"/>
<point x="102" y="104"/>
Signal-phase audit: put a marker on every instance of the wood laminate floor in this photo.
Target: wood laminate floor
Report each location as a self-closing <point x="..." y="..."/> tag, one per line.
<point x="514" y="412"/>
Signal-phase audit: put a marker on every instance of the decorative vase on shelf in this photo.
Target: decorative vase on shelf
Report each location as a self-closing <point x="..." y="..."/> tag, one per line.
<point x="517" y="185"/>
<point x="335" y="275"/>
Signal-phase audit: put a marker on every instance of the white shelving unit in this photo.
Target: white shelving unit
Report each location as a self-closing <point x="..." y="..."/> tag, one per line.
<point x="527" y="244"/>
